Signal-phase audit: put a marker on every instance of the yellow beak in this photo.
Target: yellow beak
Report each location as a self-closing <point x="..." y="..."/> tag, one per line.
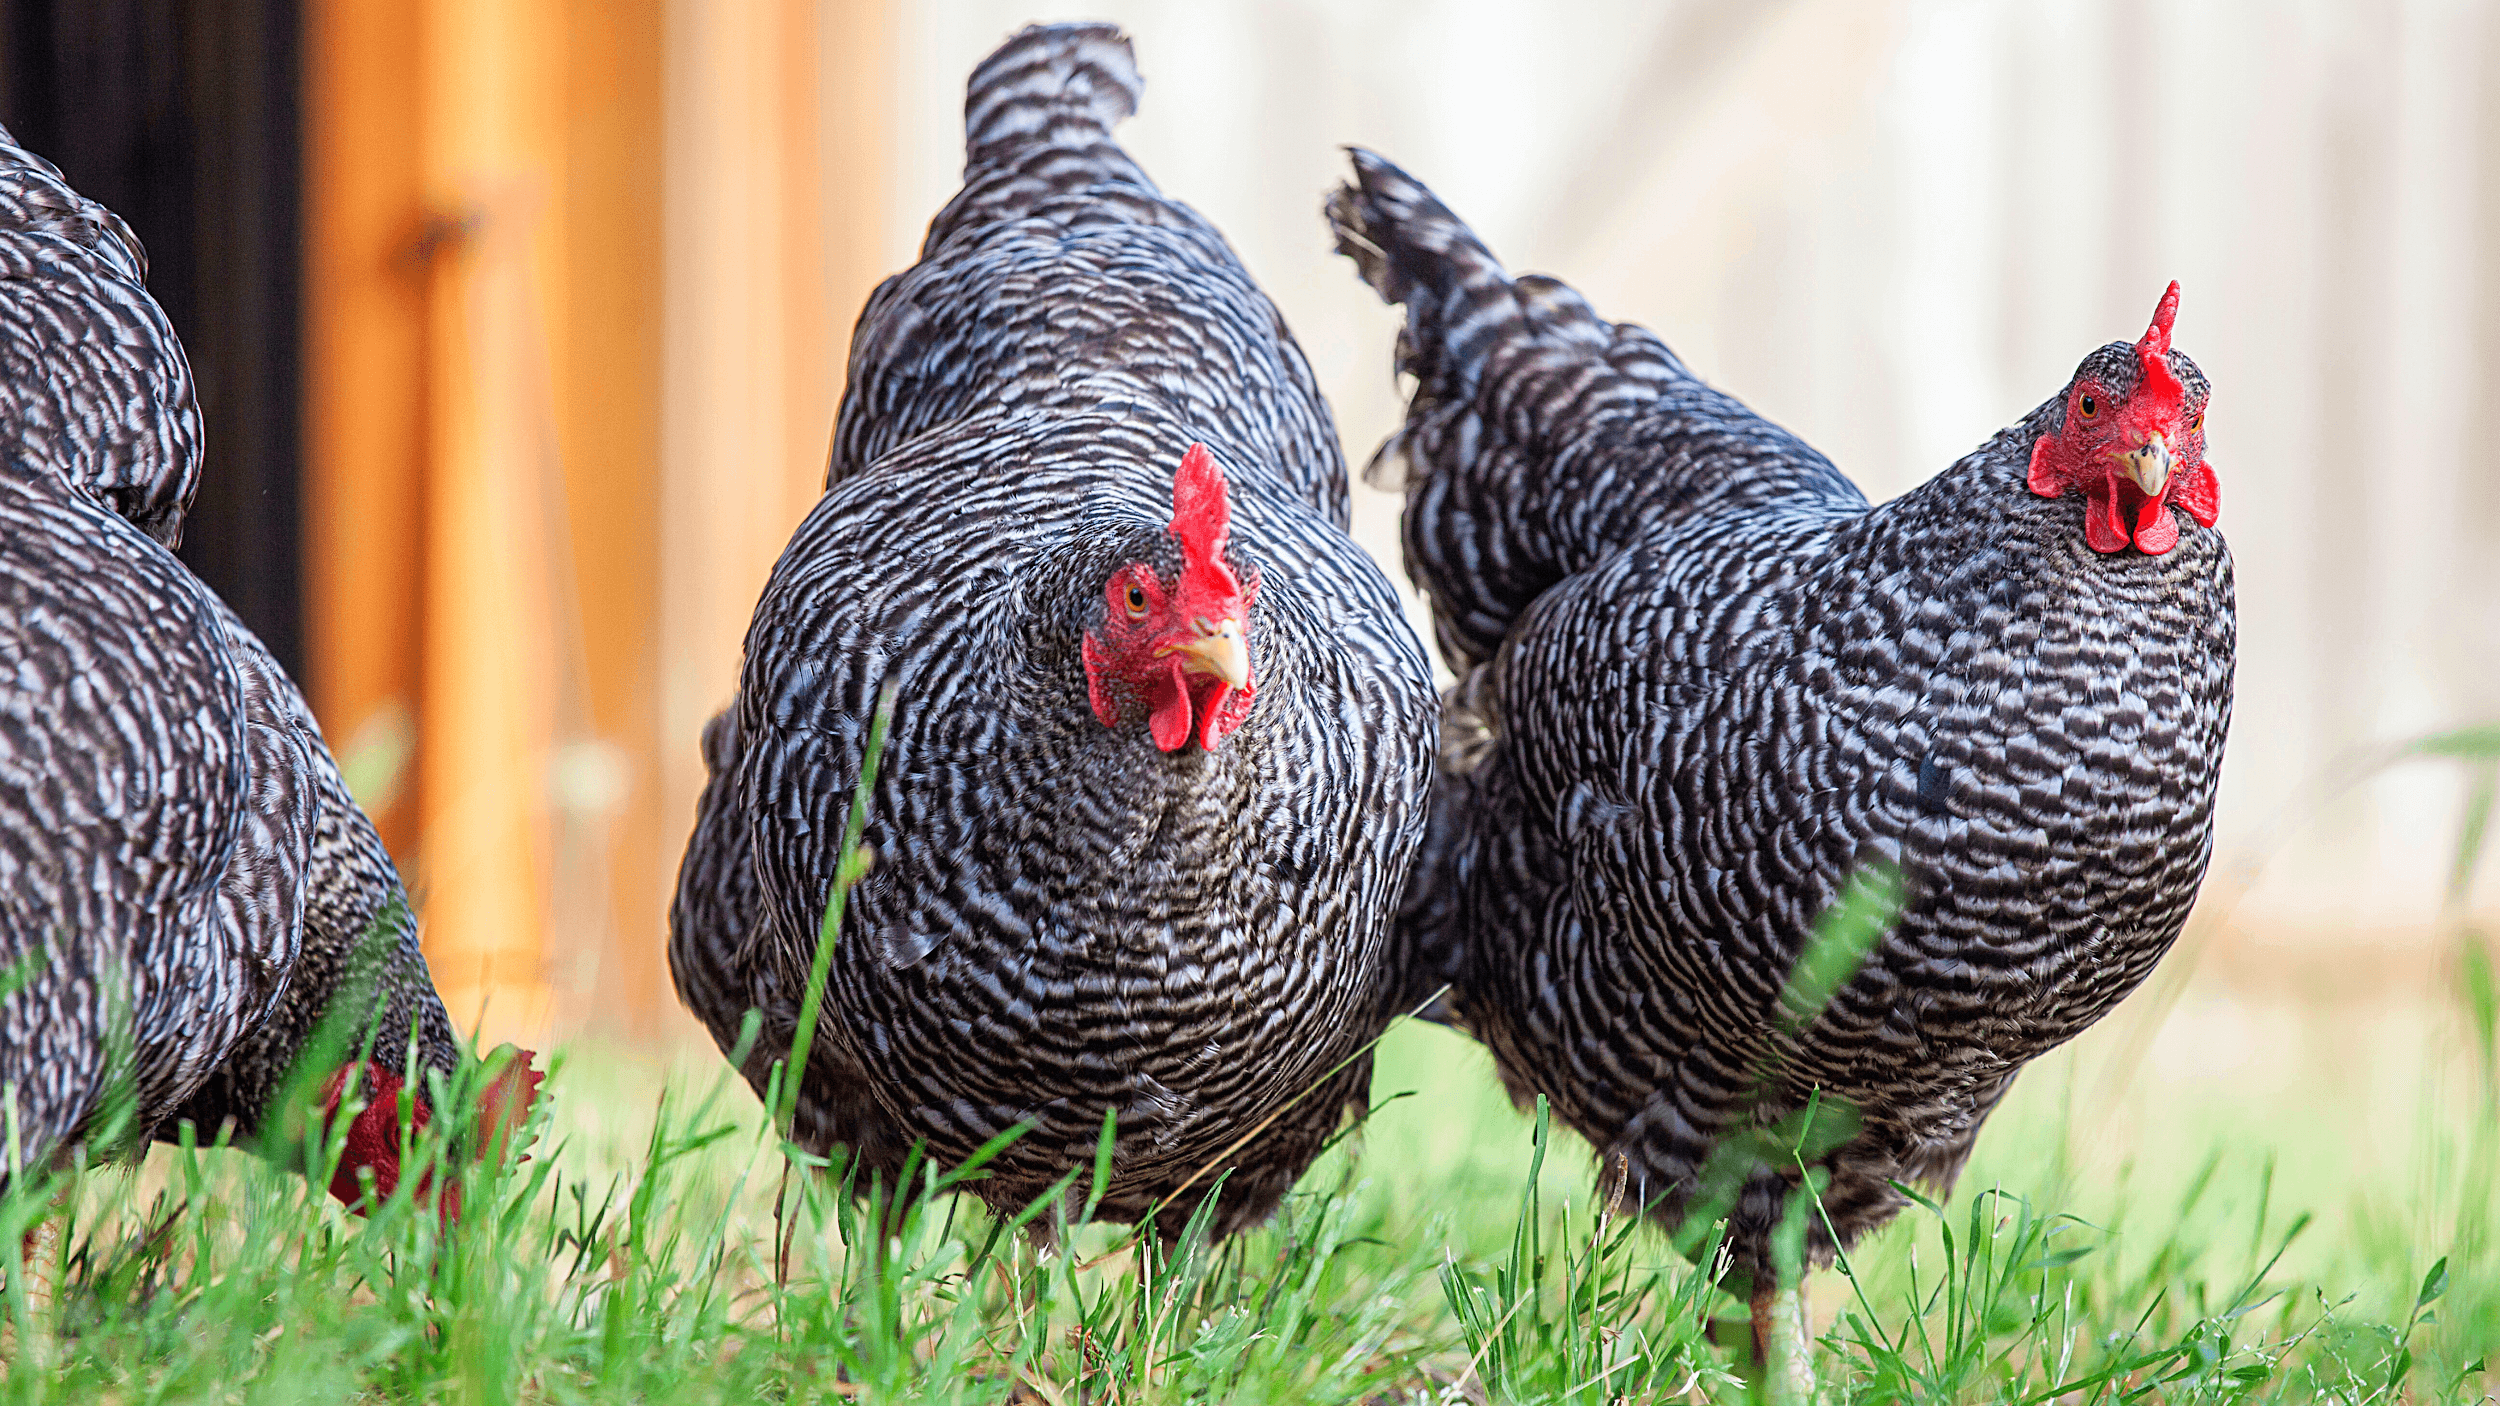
<point x="1219" y="649"/>
<point x="2149" y="466"/>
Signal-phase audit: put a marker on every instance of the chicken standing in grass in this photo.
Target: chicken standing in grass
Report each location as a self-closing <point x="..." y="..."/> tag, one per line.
<point x="1162" y="739"/>
<point x="186" y="889"/>
<point x="1703" y="682"/>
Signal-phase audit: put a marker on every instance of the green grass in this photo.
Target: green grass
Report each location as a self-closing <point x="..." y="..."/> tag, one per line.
<point x="2199" y="1245"/>
<point x="2168" y="1210"/>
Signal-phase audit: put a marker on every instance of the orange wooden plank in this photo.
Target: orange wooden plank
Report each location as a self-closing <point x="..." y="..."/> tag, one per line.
<point x="365" y="278"/>
<point x="610" y="928"/>
<point x="520" y="214"/>
<point x="491" y="103"/>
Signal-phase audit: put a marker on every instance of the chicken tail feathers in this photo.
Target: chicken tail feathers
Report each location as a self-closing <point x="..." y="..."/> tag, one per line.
<point x="1038" y="115"/>
<point x="1474" y="478"/>
<point x="1057" y="85"/>
<point x="1414" y="252"/>
<point x="1518" y="384"/>
<point x="1406" y="242"/>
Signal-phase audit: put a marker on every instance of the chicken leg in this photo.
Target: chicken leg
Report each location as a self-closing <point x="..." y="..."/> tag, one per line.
<point x="1783" y="1343"/>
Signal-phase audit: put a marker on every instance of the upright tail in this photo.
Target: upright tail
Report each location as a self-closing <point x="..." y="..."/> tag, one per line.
<point x="1542" y="438"/>
<point x="1413" y="251"/>
<point x="1508" y="374"/>
<point x="1063" y="85"/>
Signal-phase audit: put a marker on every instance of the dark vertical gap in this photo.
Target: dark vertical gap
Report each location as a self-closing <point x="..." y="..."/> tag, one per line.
<point x="183" y="117"/>
<point x="242" y="84"/>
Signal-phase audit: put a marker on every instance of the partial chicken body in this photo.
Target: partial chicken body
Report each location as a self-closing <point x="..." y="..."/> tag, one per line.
<point x="186" y="887"/>
<point x="1162" y="739"/>
<point x="1704" y="683"/>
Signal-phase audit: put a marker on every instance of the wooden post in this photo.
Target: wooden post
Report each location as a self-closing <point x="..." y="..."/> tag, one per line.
<point x="536" y="525"/>
<point x="778" y="131"/>
<point x="434" y="266"/>
<point x="610" y="911"/>
<point x="365" y="272"/>
<point x="490" y="105"/>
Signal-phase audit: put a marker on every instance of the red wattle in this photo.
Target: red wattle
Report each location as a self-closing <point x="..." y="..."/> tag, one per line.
<point x="2104" y="527"/>
<point x="1187" y="705"/>
<point x="2200" y="493"/>
<point x="1169" y="722"/>
<point x="2156" y="531"/>
<point x="1221" y="708"/>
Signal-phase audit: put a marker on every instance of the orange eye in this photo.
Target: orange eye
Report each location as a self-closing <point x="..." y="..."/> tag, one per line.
<point x="2088" y="406"/>
<point x="2197" y="425"/>
<point x="1136" y="601"/>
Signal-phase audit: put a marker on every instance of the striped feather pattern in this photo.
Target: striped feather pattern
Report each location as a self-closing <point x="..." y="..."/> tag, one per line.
<point x="1062" y="917"/>
<point x="1705" y="682"/>
<point x="186" y="887"/>
<point x="91" y="373"/>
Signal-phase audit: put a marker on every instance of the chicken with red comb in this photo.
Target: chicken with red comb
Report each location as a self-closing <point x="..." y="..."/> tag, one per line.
<point x="1161" y="737"/>
<point x="191" y="904"/>
<point x="1706" y="686"/>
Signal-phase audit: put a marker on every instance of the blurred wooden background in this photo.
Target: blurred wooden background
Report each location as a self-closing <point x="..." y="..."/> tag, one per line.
<point x="580" y="277"/>
<point x="520" y="325"/>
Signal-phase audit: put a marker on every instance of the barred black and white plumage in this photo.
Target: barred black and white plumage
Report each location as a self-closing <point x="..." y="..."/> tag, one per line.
<point x="1703" y="682"/>
<point x="93" y="382"/>
<point x="1067" y="916"/>
<point x="186" y="886"/>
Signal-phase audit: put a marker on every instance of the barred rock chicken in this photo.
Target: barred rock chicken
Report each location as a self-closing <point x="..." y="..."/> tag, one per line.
<point x="1703" y="683"/>
<point x="1162" y="740"/>
<point x="186" y="888"/>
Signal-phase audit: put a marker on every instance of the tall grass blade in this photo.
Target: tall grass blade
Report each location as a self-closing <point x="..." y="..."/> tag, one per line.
<point x="850" y="866"/>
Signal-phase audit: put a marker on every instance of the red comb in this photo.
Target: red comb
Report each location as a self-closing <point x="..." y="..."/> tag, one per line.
<point x="1202" y="515"/>
<point x="2152" y="350"/>
<point x="2157" y="337"/>
<point x="503" y="1106"/>
<point x="373" y="1139"/>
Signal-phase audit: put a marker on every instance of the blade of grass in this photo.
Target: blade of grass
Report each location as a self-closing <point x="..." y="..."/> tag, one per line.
<point x="850" y="865"/>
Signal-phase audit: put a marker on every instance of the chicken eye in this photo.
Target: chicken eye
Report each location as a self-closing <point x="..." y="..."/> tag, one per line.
<point x="1136" y="601"/>
<point x="2197" y="425"/>
<point x="2089" y="406"/>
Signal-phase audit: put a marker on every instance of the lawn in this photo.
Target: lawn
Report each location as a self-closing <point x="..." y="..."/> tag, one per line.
<point x="2207" y="1198"/>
